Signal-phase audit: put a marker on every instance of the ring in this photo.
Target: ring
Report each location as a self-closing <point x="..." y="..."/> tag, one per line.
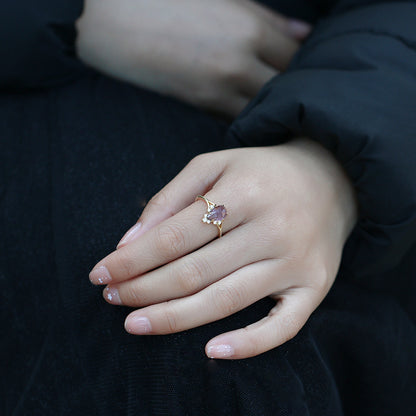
<point x="215" y="214"/>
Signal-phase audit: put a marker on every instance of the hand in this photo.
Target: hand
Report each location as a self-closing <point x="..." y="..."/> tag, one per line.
<point x="215" y="54"/>
<point x="290" y="209"/>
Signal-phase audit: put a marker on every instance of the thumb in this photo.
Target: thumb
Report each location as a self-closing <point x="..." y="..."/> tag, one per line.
<point x="197" y="177"/>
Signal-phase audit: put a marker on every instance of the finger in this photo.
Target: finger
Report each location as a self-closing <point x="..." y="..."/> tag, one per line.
<point x="192" y="273"/>
<point x="195" y="178"/>
<point x="282" y="324"/>
<point x="260" y="74"/>
<point x="173" y="238"/>
<point x="221" y="299"/>
<point x="276" y="49"/>
<point x="294" y="28"/>
<point x="299" y="29"/>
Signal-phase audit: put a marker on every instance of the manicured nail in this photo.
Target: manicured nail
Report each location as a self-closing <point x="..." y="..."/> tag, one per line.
<point x="220" y="351"/>
<point x="130" y="235"/>
<point x="298" y="28"/>
<point x="112" y="295"/>
<point x="138" y="325"/>
<point x="100" y="276"/>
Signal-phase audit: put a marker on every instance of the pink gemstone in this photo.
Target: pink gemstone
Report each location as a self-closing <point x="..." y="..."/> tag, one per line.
<point x="217" y="214"/>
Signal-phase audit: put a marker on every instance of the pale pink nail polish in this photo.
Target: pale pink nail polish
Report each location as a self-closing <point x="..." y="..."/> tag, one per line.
<point x="100" y="276"/>
<point x="112" y="295"/>
<point x="220" y="351"/>
<point x="138" y="325"/>
<point x="130" y="235"/>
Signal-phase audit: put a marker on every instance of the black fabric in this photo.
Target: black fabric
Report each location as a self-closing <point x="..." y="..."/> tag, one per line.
<point x="37" y="43"/>
<point x="80" y="156"/>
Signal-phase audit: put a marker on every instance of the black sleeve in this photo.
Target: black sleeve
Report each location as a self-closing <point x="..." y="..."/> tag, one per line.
<point x="37" y="43"/>
<point x="352" y="87"/>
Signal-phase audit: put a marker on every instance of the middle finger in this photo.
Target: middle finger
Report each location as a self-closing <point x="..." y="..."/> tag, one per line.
<point x="173" y="238"/>
<point x="191" y="273"/>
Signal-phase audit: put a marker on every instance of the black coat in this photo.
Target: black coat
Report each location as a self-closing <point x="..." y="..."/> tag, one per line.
<point x="81" y="154"/>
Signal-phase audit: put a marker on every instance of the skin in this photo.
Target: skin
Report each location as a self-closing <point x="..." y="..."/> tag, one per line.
<point x="213" y="54"/>
<point x="290" y="207"/>
<point x="290" y="210"/>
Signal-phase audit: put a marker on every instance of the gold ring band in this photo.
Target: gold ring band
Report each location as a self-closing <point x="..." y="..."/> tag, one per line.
<point x="215" y="214"/>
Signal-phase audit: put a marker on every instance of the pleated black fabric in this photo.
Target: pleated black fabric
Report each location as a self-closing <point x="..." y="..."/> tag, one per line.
<point x="80" y="156"/>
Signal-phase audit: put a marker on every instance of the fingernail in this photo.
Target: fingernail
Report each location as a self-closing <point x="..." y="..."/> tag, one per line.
<point x="130" y="234"/>
<point x="298" y="28"/>
<point x="138" y="325"/>
<point x="112" y="295"/>
<point x="220" y="351"/>
<point x="100" y="276"/>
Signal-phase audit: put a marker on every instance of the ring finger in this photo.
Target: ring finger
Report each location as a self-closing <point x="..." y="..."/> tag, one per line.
<point x="192" y="273"/>
<point x="230" y="295"/>
<point x="167" y="241"/>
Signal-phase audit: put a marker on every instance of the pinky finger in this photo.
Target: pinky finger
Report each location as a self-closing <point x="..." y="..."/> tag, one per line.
<point x="282" y="324"/>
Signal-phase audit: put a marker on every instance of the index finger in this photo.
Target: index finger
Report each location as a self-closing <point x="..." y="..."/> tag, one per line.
<point x="169" y="240"/>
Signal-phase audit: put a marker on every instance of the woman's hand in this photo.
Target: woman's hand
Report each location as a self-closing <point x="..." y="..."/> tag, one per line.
<point x="215" y="54"/>
<point x="290" y="209"/>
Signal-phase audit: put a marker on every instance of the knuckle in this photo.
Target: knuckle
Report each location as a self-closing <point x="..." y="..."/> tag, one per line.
<point x="124" y="264"/>
<point x="322" y="279"/>
<point x="197" y="160"/>
<point x="249" y="28"/>
<point x="223" y="74"/>
<point x="170" y="240"/>
<point x="159" y="200"/>
<point x="255" y="191"/>
<point x="171" y="318"/>
<point x="205" y="160"/>
<point x="191" y="276"/>
<point x="289" y="326"/>
<point x="320" y="275"/>
<point x="234" y="71"/>
<point x="255" y="32"/>
<point x="130" y="296"/>
<point x="252" y="182"/>
<point x="228" y="299"/>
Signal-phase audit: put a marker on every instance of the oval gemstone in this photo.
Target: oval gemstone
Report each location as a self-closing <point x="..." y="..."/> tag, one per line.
<point x="217" y="214"/>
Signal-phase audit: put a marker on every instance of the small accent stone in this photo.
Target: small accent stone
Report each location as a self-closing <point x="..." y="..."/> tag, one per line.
<point x="217" y="214"/>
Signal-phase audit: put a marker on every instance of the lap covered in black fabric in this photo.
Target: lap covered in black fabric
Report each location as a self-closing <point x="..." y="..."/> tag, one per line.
<point x="79" y="163"/>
